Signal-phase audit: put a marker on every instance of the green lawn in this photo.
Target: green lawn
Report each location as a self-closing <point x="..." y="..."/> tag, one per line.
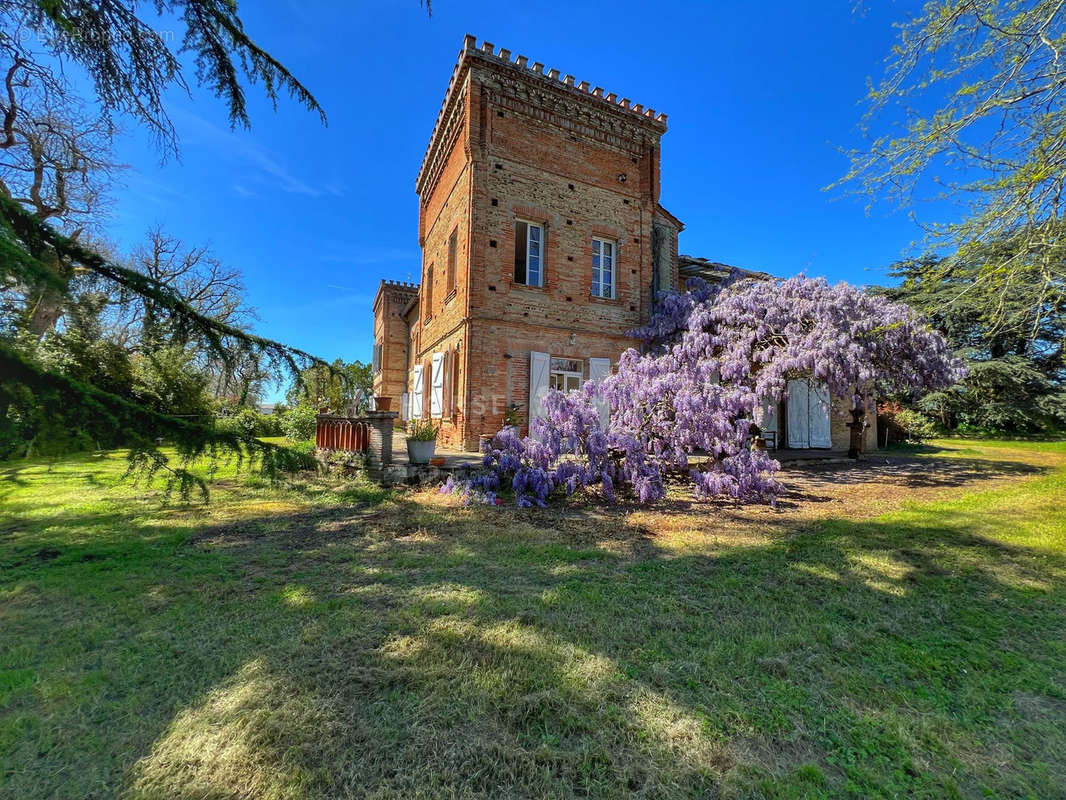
<point x="328" y="640"/>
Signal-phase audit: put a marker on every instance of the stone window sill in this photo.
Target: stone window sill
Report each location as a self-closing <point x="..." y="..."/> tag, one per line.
<point x="528" y="287"/>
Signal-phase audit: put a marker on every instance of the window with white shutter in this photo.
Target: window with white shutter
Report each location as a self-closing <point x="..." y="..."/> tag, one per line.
<point x="416" y="391"/>
<point x="600" y="368"/>
<point x="539" y="369"/>
<point x="436" y="393"/>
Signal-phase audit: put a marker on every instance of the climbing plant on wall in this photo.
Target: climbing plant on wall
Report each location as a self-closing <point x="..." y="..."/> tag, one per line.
<point x="715" y="357"/>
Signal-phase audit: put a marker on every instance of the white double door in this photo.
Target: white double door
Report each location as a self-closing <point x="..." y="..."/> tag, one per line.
<point x="808" y="414"/>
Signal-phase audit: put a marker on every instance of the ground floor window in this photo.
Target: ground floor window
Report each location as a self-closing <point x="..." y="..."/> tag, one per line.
<point x="566" y="374"/>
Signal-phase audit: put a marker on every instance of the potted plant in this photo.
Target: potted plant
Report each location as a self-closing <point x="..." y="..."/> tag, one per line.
<point x="511" y="419"/>
<point x="421" y="441"/>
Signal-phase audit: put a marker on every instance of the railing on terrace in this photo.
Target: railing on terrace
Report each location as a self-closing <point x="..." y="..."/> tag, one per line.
<point x="351" y="434"/>
<point x="369" y="434"/>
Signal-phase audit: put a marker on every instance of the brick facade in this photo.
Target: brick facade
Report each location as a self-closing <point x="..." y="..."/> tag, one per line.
<point x="515" y="144"/>
<point x="391" y="339"/>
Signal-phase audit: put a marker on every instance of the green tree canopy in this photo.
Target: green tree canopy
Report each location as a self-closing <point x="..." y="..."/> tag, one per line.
<point x="972" y="107"/>
<point x="124" y="47"/>
<point x="341" y="387"/>
<point x="1012" y="336"/>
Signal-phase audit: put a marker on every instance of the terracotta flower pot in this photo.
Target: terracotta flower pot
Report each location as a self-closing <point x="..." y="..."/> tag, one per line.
<point x="382" y="403"/>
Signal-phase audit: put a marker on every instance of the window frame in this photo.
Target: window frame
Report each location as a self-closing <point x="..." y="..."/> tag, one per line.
<point x="593" y="283"/>
<point x="540" y="226"/>
<point x="452" y="259"/>
<point x="579" y="373"/>
<point x="427" y="294"/>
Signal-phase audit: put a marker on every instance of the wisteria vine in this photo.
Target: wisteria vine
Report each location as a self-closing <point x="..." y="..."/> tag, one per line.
<point x="715" y="358"/>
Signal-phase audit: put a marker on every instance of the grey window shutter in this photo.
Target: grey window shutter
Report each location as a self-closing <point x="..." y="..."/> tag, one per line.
<point x="539" y="376"/>
<point x="600" y="368"/>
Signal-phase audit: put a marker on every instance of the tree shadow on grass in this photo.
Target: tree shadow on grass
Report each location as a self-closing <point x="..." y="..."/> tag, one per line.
<point x="913" y="472"/>
<point x="400" y="650"/>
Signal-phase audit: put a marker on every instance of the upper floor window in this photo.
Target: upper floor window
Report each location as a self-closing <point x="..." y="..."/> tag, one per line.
<point x="427" y="293"/>
<point x="528" y="253"/>
<point x="453" y="247"/>
<point x="603" y="268"/>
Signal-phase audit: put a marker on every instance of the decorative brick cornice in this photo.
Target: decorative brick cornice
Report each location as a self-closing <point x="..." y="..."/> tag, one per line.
<point x="404" y="289"/>
<point x="450" y="118"/>
<point x="403" y="285"/>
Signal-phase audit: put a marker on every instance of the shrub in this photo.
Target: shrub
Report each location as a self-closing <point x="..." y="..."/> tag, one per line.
<point x="298" y="423"/>
<point x="916" y="426"/>
<point x="249" y="422"/>
<point x="904" y="424"/>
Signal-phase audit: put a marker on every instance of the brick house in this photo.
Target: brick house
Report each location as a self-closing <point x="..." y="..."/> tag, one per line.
<point x="543" y="242"/>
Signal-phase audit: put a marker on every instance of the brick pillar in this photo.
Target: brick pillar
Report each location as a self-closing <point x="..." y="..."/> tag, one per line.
<point x="379" y="453"/>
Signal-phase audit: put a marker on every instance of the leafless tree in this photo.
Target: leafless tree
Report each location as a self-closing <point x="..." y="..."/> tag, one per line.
<point x="195" y="273"/>
<point x="56" y="161"/>
<point x="208" y="286"/>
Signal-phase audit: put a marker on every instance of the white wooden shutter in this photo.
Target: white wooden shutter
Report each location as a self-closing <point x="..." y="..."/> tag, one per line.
<point x="405" y="406"/>
<point x="449" y="377"/>
<point x="539" y="376"/>
<point x="798" y="418"/>
<point x="436" y="387"/>
<point x="416" y="391"/>
<point x="376" y="358"/>
<point x="818" y="412"/>
<point x="600" y="368"/>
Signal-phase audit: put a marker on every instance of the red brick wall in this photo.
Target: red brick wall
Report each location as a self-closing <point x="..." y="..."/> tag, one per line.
<point x="446" y="208"/>
<point x="506" y="150"/>
<point x="391" y="333"/>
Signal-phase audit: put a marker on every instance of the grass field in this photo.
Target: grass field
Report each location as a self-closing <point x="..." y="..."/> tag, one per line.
<point x="893" y="629"/>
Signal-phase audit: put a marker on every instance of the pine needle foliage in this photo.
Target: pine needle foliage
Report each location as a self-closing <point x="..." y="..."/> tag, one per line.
<point x="132" y="65"/>
<point x="103" y="416"/>
<point x="87" y="408"/>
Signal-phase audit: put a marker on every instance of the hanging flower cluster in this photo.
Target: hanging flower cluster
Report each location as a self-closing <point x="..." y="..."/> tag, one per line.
<point x="718" y="359"/>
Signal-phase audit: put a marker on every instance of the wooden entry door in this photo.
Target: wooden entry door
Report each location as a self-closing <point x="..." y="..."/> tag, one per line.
<point x="808" y="414"/>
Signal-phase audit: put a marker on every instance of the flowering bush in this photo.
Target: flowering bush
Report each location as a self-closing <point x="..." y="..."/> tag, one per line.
<point x="904" y="424"/>
<point x="479" y="489"/>
<point x="717" y="357"/>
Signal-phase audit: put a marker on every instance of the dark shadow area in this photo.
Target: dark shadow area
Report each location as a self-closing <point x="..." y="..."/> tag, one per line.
<point x="912" y="472"/>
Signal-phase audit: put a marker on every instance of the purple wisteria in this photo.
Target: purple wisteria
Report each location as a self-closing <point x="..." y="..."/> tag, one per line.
<point x="716" y="357"/>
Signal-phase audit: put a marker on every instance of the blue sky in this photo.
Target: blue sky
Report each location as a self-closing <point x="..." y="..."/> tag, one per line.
<point x="759" y="97"/>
